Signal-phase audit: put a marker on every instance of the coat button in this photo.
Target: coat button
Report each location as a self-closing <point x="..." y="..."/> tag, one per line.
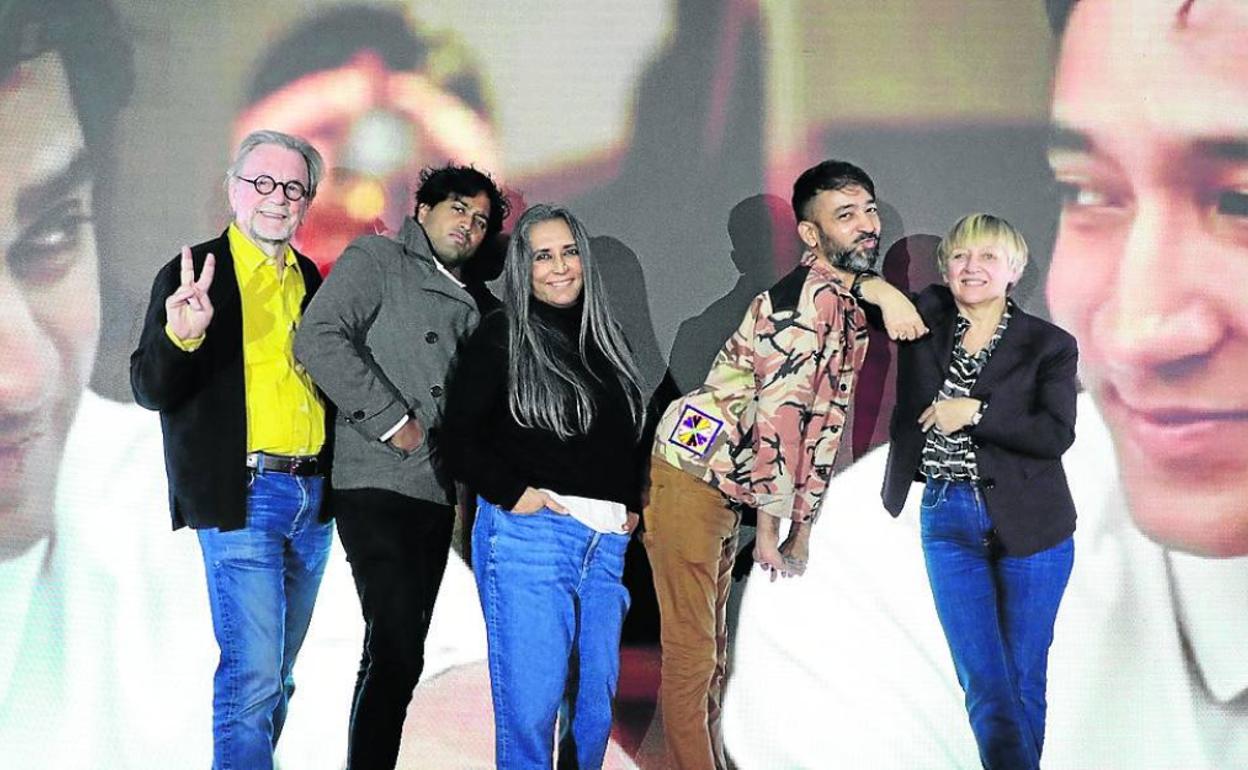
<point x="431" y="337"/>
<point x="358" y="414"/>
<point x="436" y="391"/>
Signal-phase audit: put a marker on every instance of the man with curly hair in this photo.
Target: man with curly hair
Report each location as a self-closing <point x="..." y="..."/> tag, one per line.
<point x="380" y="341"/>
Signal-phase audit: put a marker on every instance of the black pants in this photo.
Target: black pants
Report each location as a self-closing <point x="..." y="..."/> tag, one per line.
<point x="397" y="547"/>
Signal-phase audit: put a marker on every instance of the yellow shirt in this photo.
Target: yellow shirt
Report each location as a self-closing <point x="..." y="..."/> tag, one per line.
<point x="284" y="413"/>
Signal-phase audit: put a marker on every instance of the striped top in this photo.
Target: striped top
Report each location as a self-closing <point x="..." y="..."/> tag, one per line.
<point x="952" y="457"/>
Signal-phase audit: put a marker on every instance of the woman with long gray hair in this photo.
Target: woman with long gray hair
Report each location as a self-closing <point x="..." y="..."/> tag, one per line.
<point x="543" y="419"/>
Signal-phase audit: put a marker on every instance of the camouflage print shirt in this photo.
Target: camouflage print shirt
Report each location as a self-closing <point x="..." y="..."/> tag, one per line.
<point x="765" y="427"/>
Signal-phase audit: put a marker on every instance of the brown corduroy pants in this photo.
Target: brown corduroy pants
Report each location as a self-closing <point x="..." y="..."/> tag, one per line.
<point x="691" y="539"/>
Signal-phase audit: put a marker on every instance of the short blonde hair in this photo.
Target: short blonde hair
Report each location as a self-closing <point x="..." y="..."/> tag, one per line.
<point x="977" y="229"/>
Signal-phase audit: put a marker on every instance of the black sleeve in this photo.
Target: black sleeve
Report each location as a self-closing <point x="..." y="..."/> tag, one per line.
<point x="875" y="318"/>
<point x="1045" y="427"/>
<point x="477" y="396"/>
<point x="161" y="374"/>
<point x="663" y="396"/>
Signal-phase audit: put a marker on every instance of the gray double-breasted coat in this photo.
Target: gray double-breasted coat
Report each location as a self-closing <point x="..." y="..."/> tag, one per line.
<point x="379" y="339"/>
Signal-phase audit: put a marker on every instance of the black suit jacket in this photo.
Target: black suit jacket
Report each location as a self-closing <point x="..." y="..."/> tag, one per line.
<point x="200" y="395"/>
<point x="1030" y="386"/>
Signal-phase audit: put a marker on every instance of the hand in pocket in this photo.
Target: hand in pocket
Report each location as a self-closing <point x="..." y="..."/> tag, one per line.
<point x="534" y="500"/>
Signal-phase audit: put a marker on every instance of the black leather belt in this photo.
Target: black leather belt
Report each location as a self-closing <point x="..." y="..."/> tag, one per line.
<point x="263" y="462"/>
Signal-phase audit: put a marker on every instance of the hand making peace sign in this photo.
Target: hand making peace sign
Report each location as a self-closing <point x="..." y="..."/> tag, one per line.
<point x="188" y="309"/>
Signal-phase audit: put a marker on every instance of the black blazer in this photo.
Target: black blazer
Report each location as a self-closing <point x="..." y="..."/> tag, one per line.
<point x="200" y="395"/>
<point x="1030" y="385"/>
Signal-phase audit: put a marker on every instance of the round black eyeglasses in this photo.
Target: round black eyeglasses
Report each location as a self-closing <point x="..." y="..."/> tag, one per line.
<point x="265" y="184"/>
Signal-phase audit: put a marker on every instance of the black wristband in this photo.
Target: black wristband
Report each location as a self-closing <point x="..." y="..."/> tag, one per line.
<point x="855" y="288"/>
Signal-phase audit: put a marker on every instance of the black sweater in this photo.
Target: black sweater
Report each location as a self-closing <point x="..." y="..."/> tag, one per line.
<point x="484" y="447"/>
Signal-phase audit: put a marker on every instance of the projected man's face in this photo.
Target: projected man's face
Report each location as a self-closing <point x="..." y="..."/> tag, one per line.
<point x="1150" y="268"/>
<point x="49" y="292"/>
<point x="374" y="145"/>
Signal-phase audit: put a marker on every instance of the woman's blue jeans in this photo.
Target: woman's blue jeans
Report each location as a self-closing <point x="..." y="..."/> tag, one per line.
<point x="554" y="603"/>
<point x="997" y="612"/>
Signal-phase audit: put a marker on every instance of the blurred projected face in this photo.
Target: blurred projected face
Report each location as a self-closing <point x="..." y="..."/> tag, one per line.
<point x="455" y="226"/>
<point x="375" y="140"/>
<point x="557" y="274"/>
<point x="1150" y="268"/>
<point x="844" y="228"/>
<point x="49" y="292"/>
<point x="269" y="219"/>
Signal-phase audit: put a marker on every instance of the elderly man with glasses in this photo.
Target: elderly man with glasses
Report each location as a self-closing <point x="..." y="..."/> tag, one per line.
<point x="244" y="431"/>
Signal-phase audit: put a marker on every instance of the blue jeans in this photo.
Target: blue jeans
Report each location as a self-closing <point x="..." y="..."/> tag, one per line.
<point x="554" y="602"/>
<point x="262" y="583"/>
<point x="997" y="612"/>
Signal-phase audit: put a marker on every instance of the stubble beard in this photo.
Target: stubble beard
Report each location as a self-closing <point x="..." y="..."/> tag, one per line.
<point x="279" y="238"/>
<point x="453" y="259"/>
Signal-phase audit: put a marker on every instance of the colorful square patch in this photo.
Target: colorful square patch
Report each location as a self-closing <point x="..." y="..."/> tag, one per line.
<point x="695" y="431"/>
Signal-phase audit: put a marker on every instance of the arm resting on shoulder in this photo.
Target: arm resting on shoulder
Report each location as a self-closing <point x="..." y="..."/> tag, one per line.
<point x="889" y="308"/>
